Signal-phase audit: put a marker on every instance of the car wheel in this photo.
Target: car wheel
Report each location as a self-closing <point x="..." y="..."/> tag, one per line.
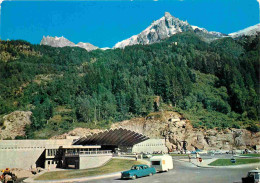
<point x="134" y="177"/>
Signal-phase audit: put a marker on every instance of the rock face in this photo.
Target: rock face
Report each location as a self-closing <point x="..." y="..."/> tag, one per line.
<point x="56" y="41"/>
<point x="14" y="124"/>
<point x="87" y="46"/>
<point x="250" y="31"/>
<point x="62" y="42"/>
<point x="175" y="130"/>
<point x="77" y="132"/>
<point x="163" y="28"/>
<point x="206" y="33"/>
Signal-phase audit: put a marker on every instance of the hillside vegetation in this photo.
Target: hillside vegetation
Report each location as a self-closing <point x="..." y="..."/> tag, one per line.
<point x="212" y="84"/>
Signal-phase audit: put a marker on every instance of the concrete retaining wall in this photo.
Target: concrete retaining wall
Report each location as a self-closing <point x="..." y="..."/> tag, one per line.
<point x="21" y="158"/>
<point x="27" y="153"/>
<point x="93" y="161"/>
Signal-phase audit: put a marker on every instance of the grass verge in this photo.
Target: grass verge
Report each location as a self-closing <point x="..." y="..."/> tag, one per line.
<point x="251" y="155"/>
<point x="115" y="165"/>
<point x="179" y="154"/>
<point x="227" y="162"/>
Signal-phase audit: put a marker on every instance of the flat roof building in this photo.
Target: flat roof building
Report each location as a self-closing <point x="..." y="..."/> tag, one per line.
<point x="73" y="152"/>
<point x="39" y="153"/>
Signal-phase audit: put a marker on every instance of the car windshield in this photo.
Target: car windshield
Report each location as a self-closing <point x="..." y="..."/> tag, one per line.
<point x="250" y="174"/>
<point x="135" y="168"/>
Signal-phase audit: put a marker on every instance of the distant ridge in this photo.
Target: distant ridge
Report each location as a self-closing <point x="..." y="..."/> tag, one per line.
<point x="62" y="42"/>
<point x="159" y="30"/>
<point x="249" y="31"/>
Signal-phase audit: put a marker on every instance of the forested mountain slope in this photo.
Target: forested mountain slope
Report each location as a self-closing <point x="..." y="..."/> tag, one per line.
<point x="213" y="84"/>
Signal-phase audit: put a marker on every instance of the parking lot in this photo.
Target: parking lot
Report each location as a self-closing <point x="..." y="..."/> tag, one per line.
<point x="186" y="172"/>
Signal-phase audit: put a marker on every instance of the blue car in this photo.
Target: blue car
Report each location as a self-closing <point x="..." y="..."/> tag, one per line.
<point x="138" y="171"/>
<point x="196" y="151"/>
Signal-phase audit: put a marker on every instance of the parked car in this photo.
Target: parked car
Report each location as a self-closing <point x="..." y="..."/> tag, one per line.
<point x="253" y="176"/>
<point x="175" y="152"/>
<point x="188" y="152"/>
<point x="203" y="152"/>
<point x="218" y="152"/>
<point x="138" y="171"/>
<point x="147" y="155"/>
<point x="211" y="152"/>
<point x="196" y="151"/>
<point x="162" y="163"/>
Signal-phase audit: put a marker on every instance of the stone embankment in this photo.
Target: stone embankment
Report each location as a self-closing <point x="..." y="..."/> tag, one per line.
<point x="14" y="124"/>
<point x="175" y="129"/>
<point x="78" y="132"/>
<point x="169" y="125"/>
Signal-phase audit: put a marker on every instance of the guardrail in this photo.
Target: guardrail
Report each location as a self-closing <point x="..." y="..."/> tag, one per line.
<point x="88" y="153"/>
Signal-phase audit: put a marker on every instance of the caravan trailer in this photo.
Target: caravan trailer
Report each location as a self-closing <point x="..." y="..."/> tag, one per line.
<point x="162" y="163"/>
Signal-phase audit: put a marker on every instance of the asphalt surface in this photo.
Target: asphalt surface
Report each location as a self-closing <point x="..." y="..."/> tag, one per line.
<point x="185" y="172"/>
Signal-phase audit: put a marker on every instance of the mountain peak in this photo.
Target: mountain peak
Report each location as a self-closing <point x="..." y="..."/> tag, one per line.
<point x="249" y="31"/>
<point x="163" y="28"/>
<point x="62" y="42"/>
<point x="160" y="29"/>
<point x="56" y="41"/>
<point x="167" y="15"/>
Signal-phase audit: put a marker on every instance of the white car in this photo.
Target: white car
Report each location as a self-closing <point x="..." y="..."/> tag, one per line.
<point x="188" y="152"/>
<point x="203" y="152"/>
<point x="252" y="176"/>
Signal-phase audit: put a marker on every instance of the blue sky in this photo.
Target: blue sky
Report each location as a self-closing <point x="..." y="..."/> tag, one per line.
<point x="104" y="23"/>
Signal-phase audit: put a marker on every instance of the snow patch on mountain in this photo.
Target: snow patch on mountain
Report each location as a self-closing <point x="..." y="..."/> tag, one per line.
<point x="249" y="31"/>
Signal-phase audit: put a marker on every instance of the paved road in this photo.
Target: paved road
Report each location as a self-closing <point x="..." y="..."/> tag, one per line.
<point x="185" y="172"/>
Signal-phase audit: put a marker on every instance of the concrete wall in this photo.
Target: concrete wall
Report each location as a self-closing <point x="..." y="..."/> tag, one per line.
<point x="93" y="161"/>
<point x="34" y="153"/>
<point x="26" y="153"/>
<point x="150" y="146"/>
<point x="20" y="158"/>
<point x="10" y="144"/>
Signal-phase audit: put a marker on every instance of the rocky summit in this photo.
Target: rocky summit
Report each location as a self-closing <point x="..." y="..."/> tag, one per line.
<point x="56" y="41"/>
<point x="62" y="42"/>
<point x="163" y="28"/>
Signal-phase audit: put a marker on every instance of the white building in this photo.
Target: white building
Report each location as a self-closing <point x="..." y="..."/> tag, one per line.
<point x="150" y="146"/>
